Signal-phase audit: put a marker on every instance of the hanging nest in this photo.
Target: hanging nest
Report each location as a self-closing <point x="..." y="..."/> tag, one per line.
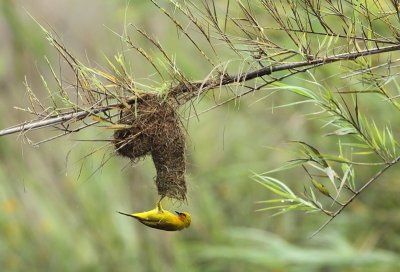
<point x="153" y="128"/>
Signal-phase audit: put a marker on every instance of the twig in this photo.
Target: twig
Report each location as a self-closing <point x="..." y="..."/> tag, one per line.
<point x="62" y="118"/>
<point x="356" y="193"/>
<point x="242" y="77"/>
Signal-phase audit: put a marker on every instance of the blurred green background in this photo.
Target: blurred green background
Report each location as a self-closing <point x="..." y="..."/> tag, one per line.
<point x="58" y="210"/>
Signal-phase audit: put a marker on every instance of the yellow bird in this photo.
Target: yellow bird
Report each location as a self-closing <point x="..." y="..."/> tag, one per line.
<point x="159" y="218"/>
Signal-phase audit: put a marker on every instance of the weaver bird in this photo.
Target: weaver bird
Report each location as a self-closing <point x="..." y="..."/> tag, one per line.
<point x="159" y="218"/>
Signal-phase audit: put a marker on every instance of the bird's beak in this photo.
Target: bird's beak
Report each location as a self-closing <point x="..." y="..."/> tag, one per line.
<point x="178" y="213"/>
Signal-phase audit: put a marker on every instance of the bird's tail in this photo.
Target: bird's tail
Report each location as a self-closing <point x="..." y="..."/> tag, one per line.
<point x="127" y="214"/>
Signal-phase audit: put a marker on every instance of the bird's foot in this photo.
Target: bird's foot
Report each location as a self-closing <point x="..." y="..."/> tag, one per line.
<point x="159" y="207"/>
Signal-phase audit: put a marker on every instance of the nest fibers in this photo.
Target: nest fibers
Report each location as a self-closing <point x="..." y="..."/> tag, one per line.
<point x="154" y="128"/>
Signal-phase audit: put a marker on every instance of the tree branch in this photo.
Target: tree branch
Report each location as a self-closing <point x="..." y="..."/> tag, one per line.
<point x="198" y="88"/>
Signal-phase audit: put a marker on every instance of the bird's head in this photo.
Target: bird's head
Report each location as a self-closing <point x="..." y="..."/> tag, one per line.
<point x="185" y="218"/>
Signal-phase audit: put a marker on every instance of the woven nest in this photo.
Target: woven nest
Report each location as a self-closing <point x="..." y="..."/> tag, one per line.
<point x="154" y="128"/>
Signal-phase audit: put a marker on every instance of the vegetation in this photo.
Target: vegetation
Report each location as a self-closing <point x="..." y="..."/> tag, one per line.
<point x="285" y="105"/>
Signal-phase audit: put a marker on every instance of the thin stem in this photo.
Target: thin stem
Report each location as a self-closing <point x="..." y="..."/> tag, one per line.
<point x="62" y="118"/>
<point x="356" y="193"/>
<point x="242" y="77"/>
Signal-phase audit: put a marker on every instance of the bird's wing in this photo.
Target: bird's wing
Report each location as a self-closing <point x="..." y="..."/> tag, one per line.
<point x="168" y="226"/>
<point x="165" y="221"/>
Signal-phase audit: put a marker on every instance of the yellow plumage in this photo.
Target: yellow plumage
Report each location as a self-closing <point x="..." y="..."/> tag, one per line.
<point x="162" y="219"/>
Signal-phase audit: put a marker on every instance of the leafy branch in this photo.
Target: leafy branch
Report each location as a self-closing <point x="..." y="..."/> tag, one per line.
<point x="356" y="193"/>
<point x="194" y="88"/>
